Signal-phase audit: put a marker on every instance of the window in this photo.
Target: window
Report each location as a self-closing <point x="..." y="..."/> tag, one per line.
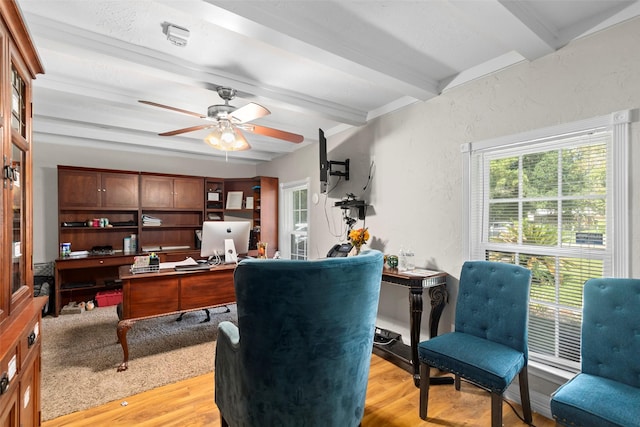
<point x="554" y="201"/>
<point x="295" y="220"/>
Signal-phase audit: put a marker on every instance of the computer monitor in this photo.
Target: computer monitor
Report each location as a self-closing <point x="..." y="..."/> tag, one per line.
<point x="225" y="239"/>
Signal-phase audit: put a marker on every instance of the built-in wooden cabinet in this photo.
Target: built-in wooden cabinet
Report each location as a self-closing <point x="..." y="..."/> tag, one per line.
<point x="170" y="192"/>
<point x="20" y="312"/>
<point x="172" y="209"/>
<point x="86" y="198"/>
<point x="214" y="199"/>
<point x="89" y="188"/>
<point x="262" y="210"/>
<point x="162" y="211"/>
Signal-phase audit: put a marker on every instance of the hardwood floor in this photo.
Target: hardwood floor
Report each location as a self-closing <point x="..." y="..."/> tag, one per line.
<point x="392" y="401"/>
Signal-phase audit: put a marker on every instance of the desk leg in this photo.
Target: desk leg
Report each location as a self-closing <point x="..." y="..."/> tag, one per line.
<point x="438" y="297"/>
<point x="123" y="328"/>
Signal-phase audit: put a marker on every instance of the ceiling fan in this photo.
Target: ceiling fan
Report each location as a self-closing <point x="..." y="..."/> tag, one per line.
<point x="228" y="122"/>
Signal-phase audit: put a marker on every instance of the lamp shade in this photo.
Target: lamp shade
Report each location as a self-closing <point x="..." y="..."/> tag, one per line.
<point x="225" y="137"/>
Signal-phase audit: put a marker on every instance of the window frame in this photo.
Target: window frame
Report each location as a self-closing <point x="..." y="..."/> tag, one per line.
<point x="474" y="164"/>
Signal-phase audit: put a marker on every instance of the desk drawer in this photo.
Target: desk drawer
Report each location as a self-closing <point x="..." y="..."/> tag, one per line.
<point x="92" y="262"/>
<point x="150" y="297"/>
<point x="28" y="340"/>
<point x="9" y="371"/>
<point x="202" y="290"/>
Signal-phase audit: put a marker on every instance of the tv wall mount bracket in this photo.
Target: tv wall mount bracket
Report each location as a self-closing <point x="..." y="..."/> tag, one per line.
<point x="344" y="173"/>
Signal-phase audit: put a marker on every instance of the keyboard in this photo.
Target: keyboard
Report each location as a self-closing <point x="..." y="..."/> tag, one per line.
<point x="192" y="267"/>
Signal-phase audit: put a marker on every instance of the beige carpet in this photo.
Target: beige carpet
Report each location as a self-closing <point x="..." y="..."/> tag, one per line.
<point x="80" y="354"/>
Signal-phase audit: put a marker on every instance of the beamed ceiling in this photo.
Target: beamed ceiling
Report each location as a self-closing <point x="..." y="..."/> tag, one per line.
<point x="313" y="64"/>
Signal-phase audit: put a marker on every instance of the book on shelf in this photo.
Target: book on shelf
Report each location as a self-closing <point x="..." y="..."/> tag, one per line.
<point x="150" y="221"/>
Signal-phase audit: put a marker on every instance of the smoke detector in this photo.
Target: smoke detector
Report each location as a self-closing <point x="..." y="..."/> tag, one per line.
<point x="176" y="34"/>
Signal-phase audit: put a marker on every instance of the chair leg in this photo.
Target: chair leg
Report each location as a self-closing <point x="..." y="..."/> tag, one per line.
<point x="523" y="380"/>
<point x="496" y="410"/>
<point x="425" y="380"/>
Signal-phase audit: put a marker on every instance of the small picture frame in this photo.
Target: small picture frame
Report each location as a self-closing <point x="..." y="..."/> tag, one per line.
<point x="234" y="200"/>
<point x="248" y="203"/>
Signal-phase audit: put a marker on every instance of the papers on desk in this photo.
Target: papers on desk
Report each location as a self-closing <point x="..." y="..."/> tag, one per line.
<point x="188" y="261"/>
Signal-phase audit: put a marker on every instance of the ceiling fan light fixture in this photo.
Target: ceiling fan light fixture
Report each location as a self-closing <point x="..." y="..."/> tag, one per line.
<point x="226" y="138"/>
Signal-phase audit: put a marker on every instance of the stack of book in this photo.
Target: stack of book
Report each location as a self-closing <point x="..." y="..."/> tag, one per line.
<point x="151" y="221"/>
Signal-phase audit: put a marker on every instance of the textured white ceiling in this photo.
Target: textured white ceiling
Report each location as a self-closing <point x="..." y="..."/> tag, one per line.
<point x="313" y="64"/>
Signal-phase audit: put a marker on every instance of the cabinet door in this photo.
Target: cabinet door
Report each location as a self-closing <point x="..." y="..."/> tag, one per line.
<point x="156" y="191"/>
<point x="9" y="410"/>
<point x="17" y="203"/>
<point x="119" y="190"/>
<point x="29" y="393"/>
<point x="188" y="193"/>
<point x="19" y="221"/>
<point x="78" y="189"/>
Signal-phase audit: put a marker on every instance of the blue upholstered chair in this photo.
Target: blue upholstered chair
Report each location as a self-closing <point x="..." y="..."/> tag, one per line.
<point x="606" y="392"/>
<point x="301" y="353"/>
<point x="489" y="344"/>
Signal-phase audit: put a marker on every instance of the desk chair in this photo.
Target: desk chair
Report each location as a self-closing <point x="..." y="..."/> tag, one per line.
<point x="489" y="344"/>
<point x="301" y="352"/>
<point x="606" y="393"/>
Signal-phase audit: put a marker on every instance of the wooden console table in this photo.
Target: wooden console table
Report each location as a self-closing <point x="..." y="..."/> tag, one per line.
<point x="156" y="294"/>
<point x="436" y="284"/>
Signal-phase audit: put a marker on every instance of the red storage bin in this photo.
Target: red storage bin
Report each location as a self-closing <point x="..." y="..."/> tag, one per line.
<point x="107" y="298"/>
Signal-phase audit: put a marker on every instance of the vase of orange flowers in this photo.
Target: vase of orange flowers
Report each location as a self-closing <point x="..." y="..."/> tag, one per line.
<point x="358" y="237"/>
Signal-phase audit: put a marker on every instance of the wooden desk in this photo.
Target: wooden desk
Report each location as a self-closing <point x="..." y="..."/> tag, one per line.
<point x="437" y="285"/>
<point x="149" y="295"/>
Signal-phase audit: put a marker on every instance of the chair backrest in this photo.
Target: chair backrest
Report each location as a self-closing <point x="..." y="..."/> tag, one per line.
<point x="306" y="335"/>
<point x="493" y="303"/>
<point x="611" y="329"/>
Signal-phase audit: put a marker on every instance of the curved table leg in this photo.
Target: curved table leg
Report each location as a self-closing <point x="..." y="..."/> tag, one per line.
<point x="123" y="328"/>
<point x="438" y="296"/>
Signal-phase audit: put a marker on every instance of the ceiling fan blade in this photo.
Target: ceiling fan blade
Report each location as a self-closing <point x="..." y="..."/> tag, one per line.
<point x="275" y="133"/>
<point x="185" y="130"/>
<point x="178" y="110"/>
<point x="249" y="112"/>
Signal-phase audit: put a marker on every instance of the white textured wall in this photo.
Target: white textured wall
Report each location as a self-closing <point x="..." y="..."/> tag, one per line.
<point x="416" y="192"/>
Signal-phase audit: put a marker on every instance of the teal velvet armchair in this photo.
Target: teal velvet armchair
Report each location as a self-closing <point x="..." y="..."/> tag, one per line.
<point x="606" y="393"/>
<point x="301" y="352"/>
